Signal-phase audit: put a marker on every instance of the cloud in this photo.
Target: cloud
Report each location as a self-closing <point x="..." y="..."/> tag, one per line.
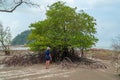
<point x="104" y="2"/>
<point x="44" y="3"/>
<point x="94" y="4"/>
<point x="14" y="25"/>
<point x="42" y="9"/>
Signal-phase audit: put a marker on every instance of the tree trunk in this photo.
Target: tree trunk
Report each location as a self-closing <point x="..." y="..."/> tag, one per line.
<point x="7" y="52"/>
<point x="82" y="53"/>
<point x="65" y="52"/>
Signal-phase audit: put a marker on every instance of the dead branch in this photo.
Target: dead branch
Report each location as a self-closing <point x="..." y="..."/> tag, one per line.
<point x="17" y="4"/>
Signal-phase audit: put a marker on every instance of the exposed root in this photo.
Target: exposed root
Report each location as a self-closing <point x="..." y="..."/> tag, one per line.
<point x="67" y="63"/>
<point x="23" y="60"/>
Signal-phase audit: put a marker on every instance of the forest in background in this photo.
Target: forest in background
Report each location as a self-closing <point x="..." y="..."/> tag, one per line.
<point x="21" y="39"/>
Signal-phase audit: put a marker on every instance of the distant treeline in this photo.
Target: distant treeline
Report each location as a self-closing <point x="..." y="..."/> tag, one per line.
<point x="21" y="39"/>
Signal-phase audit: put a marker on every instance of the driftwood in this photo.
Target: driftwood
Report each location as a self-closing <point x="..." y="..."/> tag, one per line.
<point x="72" y="60"/>
<point x="23" y="60"/>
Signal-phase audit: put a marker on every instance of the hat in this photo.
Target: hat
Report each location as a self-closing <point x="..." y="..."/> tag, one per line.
<point x="48" y="48"/>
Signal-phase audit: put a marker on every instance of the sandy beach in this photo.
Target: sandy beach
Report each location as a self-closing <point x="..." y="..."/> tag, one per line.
<point x="38" y="72"/>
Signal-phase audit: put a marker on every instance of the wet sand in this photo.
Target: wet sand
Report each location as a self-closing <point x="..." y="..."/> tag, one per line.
<point x="38" y="72"/>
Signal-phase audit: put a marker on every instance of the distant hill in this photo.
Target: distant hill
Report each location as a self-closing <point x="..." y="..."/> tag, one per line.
<point x="21" y="39"/>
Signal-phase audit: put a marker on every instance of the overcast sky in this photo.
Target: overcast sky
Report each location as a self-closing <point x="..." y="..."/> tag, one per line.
<point x="106" y="12"/>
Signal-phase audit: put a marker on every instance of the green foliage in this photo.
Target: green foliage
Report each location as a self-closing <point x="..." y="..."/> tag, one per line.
<point x="63" y="27"/>
<point x="21" y="39"/>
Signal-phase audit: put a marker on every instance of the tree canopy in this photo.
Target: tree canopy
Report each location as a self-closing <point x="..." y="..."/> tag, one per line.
<point x="63" y="27"/>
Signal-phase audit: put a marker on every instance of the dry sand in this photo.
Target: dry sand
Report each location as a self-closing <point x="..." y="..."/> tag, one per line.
<point x="38" y="72"/>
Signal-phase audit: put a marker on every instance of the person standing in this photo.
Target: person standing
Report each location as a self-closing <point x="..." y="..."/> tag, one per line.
<point x="48" y="57"/>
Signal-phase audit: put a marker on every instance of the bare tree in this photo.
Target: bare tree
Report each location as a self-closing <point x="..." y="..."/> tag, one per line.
<point x="116" y="54"/>
<point x="116" y="43"/>
<point x="11" y="5"/>
<point x="5" y="39"/>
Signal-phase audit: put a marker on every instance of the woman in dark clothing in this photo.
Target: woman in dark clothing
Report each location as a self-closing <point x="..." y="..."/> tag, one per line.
<point x="47" y="57"/>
